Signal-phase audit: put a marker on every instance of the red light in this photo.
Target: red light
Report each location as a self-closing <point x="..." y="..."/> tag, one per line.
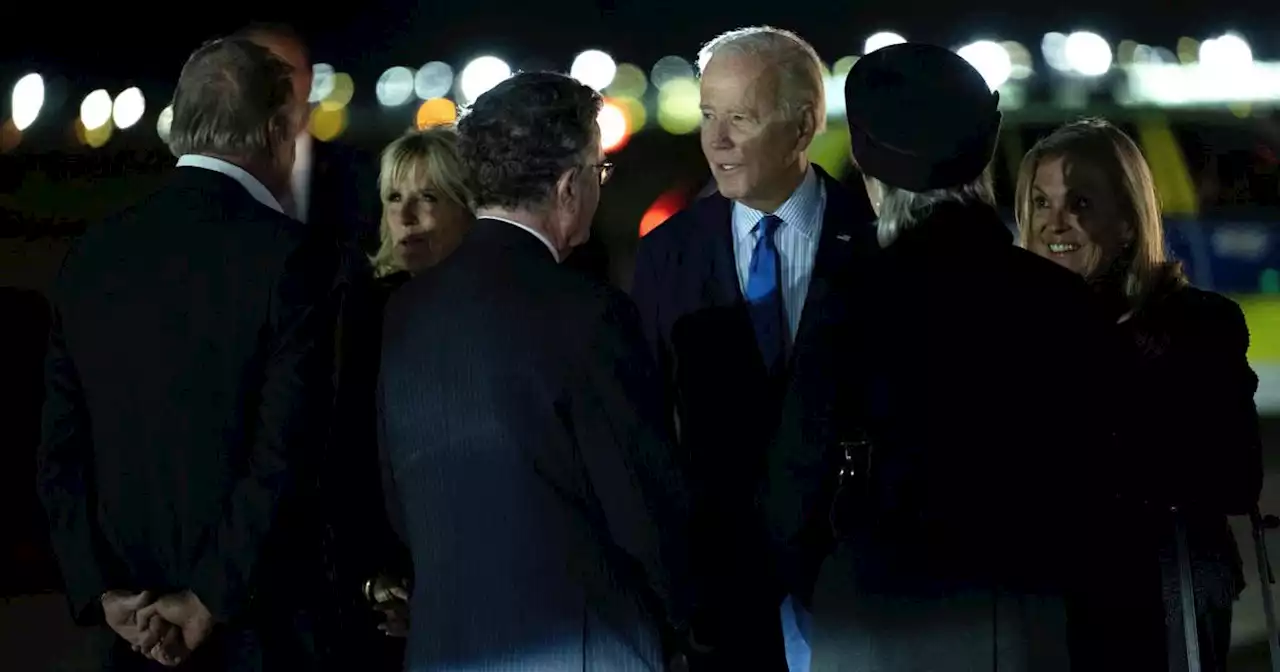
<point x="662" y="209"/>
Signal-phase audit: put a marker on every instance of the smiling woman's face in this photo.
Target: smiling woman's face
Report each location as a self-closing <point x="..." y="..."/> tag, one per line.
<point x="425" y="225"/>
<point x="1075" y="218"/>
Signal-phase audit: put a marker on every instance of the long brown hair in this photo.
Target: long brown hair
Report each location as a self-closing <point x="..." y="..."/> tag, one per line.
<point x="1144" y="266"/>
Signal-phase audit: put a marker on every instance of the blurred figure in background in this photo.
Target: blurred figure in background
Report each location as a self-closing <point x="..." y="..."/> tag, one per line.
<point x="426" y="213"/>
<point x="330" y="186"/>
<point x="729" y="290"/>
<point x="188" y="386"/>
<point x="1087" y="201"/>
<point x="520" y="415"/>
<point x="931" y="442"/>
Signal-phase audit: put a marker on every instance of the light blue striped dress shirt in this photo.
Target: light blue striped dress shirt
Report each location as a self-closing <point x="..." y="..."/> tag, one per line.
<point x="797" y="240"/>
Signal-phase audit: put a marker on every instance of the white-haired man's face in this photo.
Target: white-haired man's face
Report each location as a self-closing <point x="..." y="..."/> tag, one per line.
<point x="756" y="156"/>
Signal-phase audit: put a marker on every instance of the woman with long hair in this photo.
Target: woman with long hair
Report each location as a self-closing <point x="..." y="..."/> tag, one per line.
<point x="1086" y="200"/>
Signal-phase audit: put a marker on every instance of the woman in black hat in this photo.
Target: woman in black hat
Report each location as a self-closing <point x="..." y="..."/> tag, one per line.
<point x="965" y="491"/>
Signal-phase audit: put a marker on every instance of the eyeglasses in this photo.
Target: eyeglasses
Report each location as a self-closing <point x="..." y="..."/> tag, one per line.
<point x="605" y="169"/>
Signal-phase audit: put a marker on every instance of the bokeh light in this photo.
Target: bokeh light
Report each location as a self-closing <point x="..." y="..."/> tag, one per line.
<point x="614" y="127"/>
<point x="28" y="98"/>
<point x="670" y="68"/>
<point x="95" y="110"/>
<point x="1088" y="53"/>
<point x="341" y="93"/>
<point x="395" y="86"/>
<point x="1227" y="52"/>
<point x="10" y="136"/>
<point x="164" y="122"/>
<point x="321" y="82"/>
<point x="433" y="80"/>
<point x="990" y="60"/>
<point x="679" y="103"/>
<point x="628" y="82"/>
<point x="94" y="137"/>
<point x="633" y="108"/>
<point x="662" y="209"/>
<point x="594" y="68"/>
<point x="327" y="123"/>
<point x="480" y="75"/>
<point x="128" y="108"/>
<point x="435" y="112"/>
<point x="880" y="41"/>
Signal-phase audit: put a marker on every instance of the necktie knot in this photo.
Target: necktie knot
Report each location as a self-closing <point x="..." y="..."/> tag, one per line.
<point x="768" y="225"/>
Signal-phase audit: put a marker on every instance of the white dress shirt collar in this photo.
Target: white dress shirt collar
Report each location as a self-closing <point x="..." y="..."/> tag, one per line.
<point x="256" y="189"/>
<point x="555" y="254"/>
<point x="803" y="210"/>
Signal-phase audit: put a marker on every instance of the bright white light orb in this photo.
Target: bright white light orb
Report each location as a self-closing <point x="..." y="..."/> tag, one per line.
<point x="1087" y="53"/>
<point x="128" y="108"/>
<point x="482" y="74"/>
<point x="1228" y="51"/>
<point x="594" y="68"/>
<point x="395" y="86"/>
<point x="28" y="98"/>
<point x="95" y="111"/>
<point x="990" y="59"/>
<point x="880" y="41"/>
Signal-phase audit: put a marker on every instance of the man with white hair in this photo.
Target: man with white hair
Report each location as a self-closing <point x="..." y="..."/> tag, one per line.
<point x="729" y="291"/>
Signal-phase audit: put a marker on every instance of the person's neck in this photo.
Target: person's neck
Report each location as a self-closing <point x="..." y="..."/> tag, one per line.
<point x="260" y="172"/>
<point x="537" y="220"/>
<point x="775" y="197"/>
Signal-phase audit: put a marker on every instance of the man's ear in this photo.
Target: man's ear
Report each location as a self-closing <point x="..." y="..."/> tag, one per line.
<point x="806" y="126"/>
<point x="567" y="186"/>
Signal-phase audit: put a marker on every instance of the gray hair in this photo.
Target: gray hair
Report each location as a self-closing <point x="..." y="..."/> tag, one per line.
<point x="799" y="70"/>
<point x="901" y="210"/>
<point x="234" y="98"/>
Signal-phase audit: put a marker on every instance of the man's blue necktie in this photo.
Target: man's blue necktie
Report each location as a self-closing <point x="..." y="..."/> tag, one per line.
<point x="764" y="293"/>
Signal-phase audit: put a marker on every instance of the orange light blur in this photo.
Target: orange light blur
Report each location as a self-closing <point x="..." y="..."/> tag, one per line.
<point x="10" y="136"/>
<point x="615" y="126"/>
<point x="662" y="209"/>
<point x="436" y="112"/>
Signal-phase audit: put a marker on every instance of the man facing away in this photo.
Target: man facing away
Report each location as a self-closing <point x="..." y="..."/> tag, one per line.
<point x="521" y="417"/>
<point x="729" y="291"/>
<point x="188" y="370"/>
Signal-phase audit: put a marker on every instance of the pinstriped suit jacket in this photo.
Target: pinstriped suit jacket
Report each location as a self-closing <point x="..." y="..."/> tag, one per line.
<point x="544" y="509"/>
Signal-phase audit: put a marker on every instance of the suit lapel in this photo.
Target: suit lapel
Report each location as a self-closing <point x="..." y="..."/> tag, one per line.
<point x="847" y="236"/>
<point x="721" y="286"/>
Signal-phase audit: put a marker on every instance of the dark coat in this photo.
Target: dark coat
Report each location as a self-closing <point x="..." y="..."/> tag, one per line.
<point x="188" y="382"/>
<point x="544" y="508"/>
<point x="696" y="321"/>
<point x="973" y="368"/>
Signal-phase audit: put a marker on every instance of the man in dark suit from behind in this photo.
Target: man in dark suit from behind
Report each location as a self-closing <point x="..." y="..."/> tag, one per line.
<point x="520" y="414"/>
<point x="188" y="379"/>
<point x="731" y="291"/>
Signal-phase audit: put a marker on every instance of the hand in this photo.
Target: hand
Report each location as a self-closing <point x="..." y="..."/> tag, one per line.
<point x="391" y="598"/>
<point x="192" y="625"/>
<point x="121" y="610"/>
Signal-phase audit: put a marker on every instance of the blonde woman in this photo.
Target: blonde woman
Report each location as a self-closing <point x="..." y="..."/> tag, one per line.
<point x="425" y="215"/>
<point x="1086" y="200"/>
<point x="425" y="202"/>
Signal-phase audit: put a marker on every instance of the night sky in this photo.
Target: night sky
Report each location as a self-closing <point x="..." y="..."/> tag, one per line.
<point x="91" y="44"/>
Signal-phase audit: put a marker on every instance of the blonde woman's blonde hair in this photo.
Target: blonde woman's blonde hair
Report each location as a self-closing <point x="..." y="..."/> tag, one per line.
<point x="429" y="157"/>
<point x="1144" y="267"/>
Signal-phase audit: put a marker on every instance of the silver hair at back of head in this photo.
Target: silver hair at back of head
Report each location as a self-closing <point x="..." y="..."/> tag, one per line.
<point x="901" y="209"/>
<point x="799" y="70"/>
<point x="234" y="98"/>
